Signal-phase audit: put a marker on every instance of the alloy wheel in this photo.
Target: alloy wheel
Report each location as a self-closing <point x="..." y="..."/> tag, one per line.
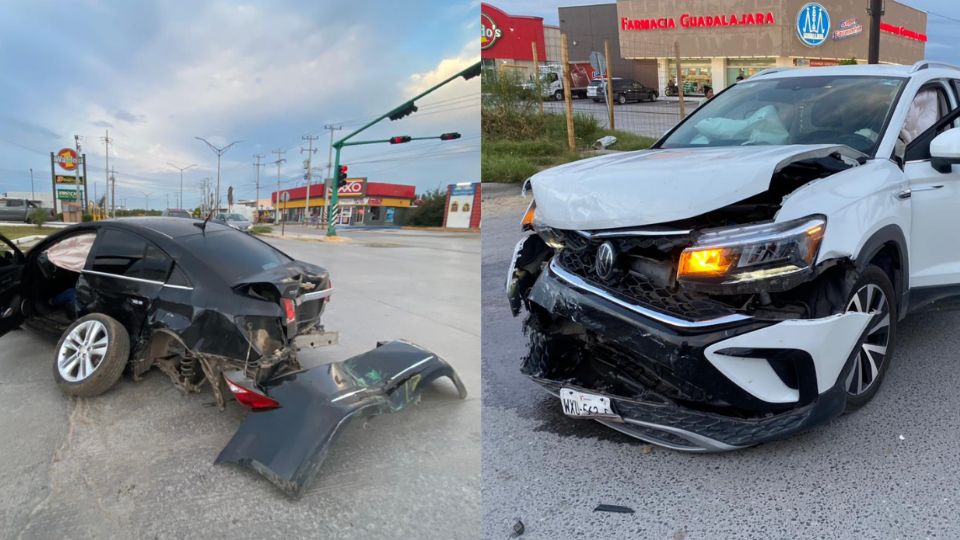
<point x="873" y="351"/>
<point x="82" y="351"/>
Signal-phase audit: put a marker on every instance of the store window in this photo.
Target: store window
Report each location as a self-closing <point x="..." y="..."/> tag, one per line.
<point x="744" y="68"/>
<point x="696" y="74"/>
<point x="374" y="213"/>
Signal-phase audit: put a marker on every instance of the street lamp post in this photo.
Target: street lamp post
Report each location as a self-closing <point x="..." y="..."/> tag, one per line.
<point x="181" y="169"/>
<point x="219" y="151"/>
<point x="32" y="195"/>
<point x="146" y="203"/>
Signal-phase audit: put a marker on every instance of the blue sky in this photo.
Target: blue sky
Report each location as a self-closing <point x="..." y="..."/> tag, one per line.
<point x="157" y="74"/>
<point x="941" y="31"/>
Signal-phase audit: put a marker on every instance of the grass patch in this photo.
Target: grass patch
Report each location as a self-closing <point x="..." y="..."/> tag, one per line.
<point x="261" y="229"/>
<point x="19" y="232"/>
<point x="518" y="141"/>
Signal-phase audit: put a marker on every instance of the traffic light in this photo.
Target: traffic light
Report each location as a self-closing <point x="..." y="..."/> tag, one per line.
<point x="341" y="176"/>
<point x="406" y="109"/>
<point x="471" y="72"/>
<point x="449" y="136"/>
<point x="400" y="139"/>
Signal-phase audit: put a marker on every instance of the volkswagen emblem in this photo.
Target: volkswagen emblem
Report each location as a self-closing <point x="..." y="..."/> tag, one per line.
<point x="606" y="259"/>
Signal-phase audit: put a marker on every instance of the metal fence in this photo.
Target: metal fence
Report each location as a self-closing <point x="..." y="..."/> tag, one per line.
<point x="650" y="119"/>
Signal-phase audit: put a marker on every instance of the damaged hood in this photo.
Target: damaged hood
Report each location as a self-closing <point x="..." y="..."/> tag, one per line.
<point x="634" y="189"/>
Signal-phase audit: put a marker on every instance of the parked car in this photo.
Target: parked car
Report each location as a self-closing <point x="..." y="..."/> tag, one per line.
<point x="236" y="221"/>
<point x="176" y="212"/>
<point x="596" y="88"/>
<point x="626" y="90"/>
<point x="207" y="306"/>
<point x="744" y="278"/>
<point x="20" y="209"/>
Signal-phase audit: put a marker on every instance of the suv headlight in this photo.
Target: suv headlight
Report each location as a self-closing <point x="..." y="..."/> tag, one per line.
<point x="741" y="255"/>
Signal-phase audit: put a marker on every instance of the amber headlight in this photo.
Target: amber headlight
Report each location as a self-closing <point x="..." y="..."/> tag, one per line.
<point x="740" y="255"/>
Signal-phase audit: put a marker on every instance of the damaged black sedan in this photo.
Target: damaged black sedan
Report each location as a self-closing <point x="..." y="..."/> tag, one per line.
<point x="209" y="306"/>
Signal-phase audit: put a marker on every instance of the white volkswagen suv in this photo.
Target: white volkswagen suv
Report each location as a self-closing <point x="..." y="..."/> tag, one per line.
<point x="742" y="279"/>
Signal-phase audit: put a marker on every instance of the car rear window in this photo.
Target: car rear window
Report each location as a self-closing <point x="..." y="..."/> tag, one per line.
<point x="233" y="254"/>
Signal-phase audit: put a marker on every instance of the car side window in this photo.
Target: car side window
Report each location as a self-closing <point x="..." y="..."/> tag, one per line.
<point x="934" y="117"/>
<point x="127" y="254"/>
<point x="177" y="277"/>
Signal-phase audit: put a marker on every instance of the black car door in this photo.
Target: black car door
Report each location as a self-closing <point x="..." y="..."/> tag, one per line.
<point x="123" y="277"/>
<point x="11" y="268"/>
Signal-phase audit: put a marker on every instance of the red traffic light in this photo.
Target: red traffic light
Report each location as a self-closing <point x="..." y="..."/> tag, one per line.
<point x="342" y="175"/>
<point x="400" y="139"/>
<point x="449" y="136"/>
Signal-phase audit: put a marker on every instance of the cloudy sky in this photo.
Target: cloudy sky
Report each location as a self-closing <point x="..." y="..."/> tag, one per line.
<point x="943" y="20"/>
<point x="266" y="72"/>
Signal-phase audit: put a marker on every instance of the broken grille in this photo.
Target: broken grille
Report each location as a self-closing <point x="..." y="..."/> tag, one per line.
<point x="638" y="289"/>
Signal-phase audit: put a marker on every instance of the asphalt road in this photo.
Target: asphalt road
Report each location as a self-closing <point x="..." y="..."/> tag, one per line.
<point x="138" y="461"/>
<point x="890" y="470"/>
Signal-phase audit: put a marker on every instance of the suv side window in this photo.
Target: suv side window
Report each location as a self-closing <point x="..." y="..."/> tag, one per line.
<point x="925" y="121"/>
<point x="15" y="203"/>
<point x="127" y="254"/>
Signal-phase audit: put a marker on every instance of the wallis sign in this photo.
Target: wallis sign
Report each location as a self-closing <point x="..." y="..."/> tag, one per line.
<point x="688" y="20"/>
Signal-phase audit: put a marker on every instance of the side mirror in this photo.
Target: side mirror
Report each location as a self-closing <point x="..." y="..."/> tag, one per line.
<point x="945" y="150"/>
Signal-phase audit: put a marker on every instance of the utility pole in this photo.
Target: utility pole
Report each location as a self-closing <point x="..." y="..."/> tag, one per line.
<point x="276" y="204"/>
<point x="567" y="97"/>
<point x="309" y="150"/>
<point x="219" y="151"/>
<point x="873" y="47"/>
<point x="106" y="170"/>
<point x="146" y="196"/>
<point x="181" y="169"/>
<point x="168" y="199"/>
<point x="256" y="201"/>
<point x="326" y="193"/>
<point x="609" y="77"/>
<point x="113" y="192"/>
<point x="32" y="196"/>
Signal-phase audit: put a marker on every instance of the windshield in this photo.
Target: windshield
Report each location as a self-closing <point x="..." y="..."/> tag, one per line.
<point x="849" y="110"/>
<point x="233" y="254"/>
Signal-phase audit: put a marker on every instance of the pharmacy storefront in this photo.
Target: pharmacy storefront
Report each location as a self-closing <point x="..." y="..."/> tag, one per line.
<point x="721" y="41"/>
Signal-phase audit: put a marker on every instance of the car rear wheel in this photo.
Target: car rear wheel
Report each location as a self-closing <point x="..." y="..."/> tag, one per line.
<point x="558" y="95"/>
<point x="622" y="99"/>
<point x="91" y="355"/>
<point x="873" y="293"/>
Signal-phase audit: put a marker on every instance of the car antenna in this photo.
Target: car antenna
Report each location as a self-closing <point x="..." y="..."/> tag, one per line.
<point x="203" y="226"/>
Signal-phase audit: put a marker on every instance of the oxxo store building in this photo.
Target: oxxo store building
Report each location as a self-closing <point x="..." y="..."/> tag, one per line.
<point x="721" y="40"/>
<point x="360" y="202"/>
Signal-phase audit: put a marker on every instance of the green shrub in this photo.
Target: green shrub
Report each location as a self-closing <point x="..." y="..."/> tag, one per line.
<point x="505" y="168"/>
<point x="262" y="229"/>
<point x="430" y="211"/>
<point x="38" y="216"/>
<point x="86" y="218"/>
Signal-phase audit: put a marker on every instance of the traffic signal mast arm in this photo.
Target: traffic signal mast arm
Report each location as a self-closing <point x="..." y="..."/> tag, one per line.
<point x="407" y="108"/>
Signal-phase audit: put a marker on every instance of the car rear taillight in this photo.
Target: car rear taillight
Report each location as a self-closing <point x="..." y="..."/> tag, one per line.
<point x="290" y="309"/>
<point x="251" y="398"/>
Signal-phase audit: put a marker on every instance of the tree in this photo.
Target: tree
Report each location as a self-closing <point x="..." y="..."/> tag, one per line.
<point x="429" y="213"/>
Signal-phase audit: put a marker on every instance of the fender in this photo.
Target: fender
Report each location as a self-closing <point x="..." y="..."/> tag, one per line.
<point x="893" y="235"/>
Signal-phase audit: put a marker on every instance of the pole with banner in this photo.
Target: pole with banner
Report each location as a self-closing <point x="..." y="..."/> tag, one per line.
<point x="53" y="183"/>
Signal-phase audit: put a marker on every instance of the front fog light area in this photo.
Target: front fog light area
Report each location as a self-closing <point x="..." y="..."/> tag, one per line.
<point x="752" y="253"/>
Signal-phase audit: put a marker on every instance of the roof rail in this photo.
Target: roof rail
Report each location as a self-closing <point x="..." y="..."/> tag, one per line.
<point x="769" y="71"/>
<point x="926" y="64"/>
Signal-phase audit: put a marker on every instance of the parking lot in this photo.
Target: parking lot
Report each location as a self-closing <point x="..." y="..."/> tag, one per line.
<point x="138" y="461"/>
<point x="650" y="119"/>
<point x="887" y="471"/>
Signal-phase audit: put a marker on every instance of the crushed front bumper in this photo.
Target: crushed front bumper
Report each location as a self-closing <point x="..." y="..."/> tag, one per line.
<point x="688" y="385"/>
<point x="287" y="445"/>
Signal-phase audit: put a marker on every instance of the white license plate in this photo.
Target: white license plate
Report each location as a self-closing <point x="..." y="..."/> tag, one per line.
<point x="592" y="91"/>
<point x="584" y="405"/>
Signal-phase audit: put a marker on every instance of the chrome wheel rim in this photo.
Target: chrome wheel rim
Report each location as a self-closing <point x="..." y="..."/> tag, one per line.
<point x="873" y="351"/>
<point x="82" y="351"/>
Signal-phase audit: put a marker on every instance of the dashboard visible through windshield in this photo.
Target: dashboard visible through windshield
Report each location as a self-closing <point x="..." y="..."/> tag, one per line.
<point x="849" y="110"/>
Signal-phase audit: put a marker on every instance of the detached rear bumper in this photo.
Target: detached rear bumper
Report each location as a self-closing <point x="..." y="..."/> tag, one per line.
<point x="287" y="445"/>
<point x="696" y="387"/>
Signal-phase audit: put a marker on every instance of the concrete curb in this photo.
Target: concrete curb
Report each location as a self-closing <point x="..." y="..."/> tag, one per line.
<point x="309" y="237"/>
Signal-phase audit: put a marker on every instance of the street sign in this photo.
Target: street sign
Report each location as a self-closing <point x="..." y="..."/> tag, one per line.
<point x="67" y="159"/>
<point x="69" y="195"/>
<point x="285" y="196"/>
<point x="598" y="62"/>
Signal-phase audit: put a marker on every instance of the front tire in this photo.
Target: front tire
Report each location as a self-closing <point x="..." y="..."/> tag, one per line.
<point x="872" y="293"/>
<point x="91" y="355"/>
<point x="622" y="99"/>
<point x="558" y="95"/>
